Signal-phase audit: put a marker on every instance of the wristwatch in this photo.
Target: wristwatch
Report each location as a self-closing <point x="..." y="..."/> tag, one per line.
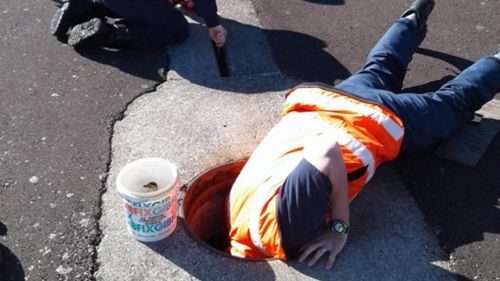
<point x="339" y="226"/>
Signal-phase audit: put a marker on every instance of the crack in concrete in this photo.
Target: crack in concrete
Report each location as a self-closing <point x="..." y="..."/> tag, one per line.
<point x="116" y="117"/>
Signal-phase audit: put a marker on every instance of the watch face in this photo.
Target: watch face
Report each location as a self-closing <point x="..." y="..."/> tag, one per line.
<point x="339" y="227"/>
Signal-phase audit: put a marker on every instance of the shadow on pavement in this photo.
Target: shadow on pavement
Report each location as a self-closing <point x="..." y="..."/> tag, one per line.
<point x="10" y="266"/>
<point x="297" y="55"/>
<point x="207" y="265"/>
<point x="327" y="2"/>
<point x="459" y="202"/>
<point x="429" y="86"/>
<point x="3" y="229"/>
<point x="318" y="272"/>
<point x="144" y="63"/>
<point x="303" y="56"/>
<point x="457" y="62"/>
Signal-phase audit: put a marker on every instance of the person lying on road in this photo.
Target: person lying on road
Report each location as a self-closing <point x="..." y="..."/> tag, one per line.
<point x="292" y="197"/>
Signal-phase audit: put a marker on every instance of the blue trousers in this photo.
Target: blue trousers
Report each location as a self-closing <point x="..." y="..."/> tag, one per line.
<point x="428" y="117"/>
<point x="151" y="22"/>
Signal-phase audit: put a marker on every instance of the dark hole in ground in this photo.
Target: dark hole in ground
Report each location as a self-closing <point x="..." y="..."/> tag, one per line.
<point x="205" y="202"/>
<point x="220" y="57"/>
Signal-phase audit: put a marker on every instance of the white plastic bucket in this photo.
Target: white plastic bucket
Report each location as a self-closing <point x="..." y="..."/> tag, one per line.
<point x="150" y="216"/>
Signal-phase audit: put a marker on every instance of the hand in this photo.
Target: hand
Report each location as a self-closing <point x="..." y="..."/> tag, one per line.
<point x="218" y="35"/>
<point x="328" y="242"/>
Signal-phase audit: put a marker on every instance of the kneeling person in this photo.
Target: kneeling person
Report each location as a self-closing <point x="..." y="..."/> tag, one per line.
<point x="141" y="24"/>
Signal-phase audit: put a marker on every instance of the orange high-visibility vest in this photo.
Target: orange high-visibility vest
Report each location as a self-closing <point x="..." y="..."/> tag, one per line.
<point x="368" y="135"/>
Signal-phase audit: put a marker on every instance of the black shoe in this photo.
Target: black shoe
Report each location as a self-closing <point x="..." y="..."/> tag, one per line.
<point x="93" y="33"/>
<point x="71" y="13"/>
<point x="98" y="33"/>
<point x="422" y="9"/>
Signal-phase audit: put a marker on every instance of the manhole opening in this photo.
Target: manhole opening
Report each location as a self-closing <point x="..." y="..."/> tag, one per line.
<point x="204" y="205"/>
<point x="220" y="57"/>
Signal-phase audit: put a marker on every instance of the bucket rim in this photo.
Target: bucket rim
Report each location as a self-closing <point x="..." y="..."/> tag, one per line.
<point x="147" y="195"/>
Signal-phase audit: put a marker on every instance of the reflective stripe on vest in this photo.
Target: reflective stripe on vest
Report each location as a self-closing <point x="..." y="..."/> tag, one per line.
<point x="358" y="149"/>
<point x="335" y="104"/>
<point x="253" y="225"/>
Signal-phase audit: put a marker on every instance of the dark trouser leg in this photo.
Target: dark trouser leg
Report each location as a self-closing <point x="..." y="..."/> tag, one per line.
<point x="151" y="22"/>
<point x="432" y="117"/>
<point x="386" y="64"/>
<point x="100" y="10"/>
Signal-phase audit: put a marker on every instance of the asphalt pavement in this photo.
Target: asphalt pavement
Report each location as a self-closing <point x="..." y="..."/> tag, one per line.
<point x="58" y="111"/>
<point x="57" y="108"/>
